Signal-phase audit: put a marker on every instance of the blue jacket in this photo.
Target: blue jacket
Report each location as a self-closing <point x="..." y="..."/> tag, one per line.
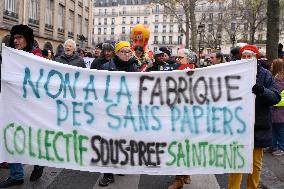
<point x="263" y="106"/>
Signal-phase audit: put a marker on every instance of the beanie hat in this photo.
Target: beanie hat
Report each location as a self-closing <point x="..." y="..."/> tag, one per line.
<point x="24" y="30"/>
<point x="251" y="48"/>
<point x="120" y="45"/>
<point x="165" y="50"/>
<point x="99" y="45"/>
<point x="107" y="46"/>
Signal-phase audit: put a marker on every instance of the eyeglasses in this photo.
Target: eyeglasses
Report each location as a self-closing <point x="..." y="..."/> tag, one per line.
<point x="126" y="52"/>
<point x="180" y="57"/>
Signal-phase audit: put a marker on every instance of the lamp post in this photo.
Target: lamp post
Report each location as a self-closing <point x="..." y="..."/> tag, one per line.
<point x="219" y="38"/>
<point x="233" y="39"/>
<point x="200" y="30"/>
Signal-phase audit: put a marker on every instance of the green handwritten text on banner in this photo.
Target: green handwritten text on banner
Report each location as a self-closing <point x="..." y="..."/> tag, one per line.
<point x="179" y="122"/>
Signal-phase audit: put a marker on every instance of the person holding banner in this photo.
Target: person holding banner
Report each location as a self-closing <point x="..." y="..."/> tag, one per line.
<point x="122" y="61"/>
<point x="22" y="38"/>
<point x="267" y="95"/>
<point x="70" y="56"/>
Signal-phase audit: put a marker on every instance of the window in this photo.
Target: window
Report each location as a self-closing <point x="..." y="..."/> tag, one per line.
<point x="71" y="21"/>
<point x="10" y="5"/>
<point x="105" y="21"/>
<point x="210" y="16"/>
<point x="131" y="20"/>
<point x="179" y="40"/>
<point x="260" y="27"/>
<point x="155" y="39"/>
<point x="163" y="39"/>
<point x="203" y="17"/>
<point x="79" y="24"/>
<point x="105" y="31"/>
<point x="165" y="18"/>
<point x="259" y="37"/>
<point x="105" y="11"/>
<point x="210" y="27"/>
<point x="164" y="28"/>
<point x="156" y="18"/>
<point x="155" y="49"/>
<point x="172" y="18"/>
<point x="170" y="39"/>
<point x="86" y="27"/>
<point x="113" y="12"/>
<point x="145" y="20"/>
<point x="123" y="30"/>
<point x="49" y="12"/>
<point x="61" y="16"/>
<point x="171" y="28"/>
<point x="220" y="16"/>
<point x="124" y="10"/>
<point x="157" y="8"/>
<point x="112" y="21"/>
<point x="99" y="21"/>
<point x="100" y="11"/>
<point x="245" y="26"/>
<point x="99" y="39"/>
<point x="33" y="11"/>
<point x="112" y="31"/>
<point x="99" y="31"/>
<point x="123" y="20"/>
<point x="156" y="28"/>
<point x="138" y="20"/>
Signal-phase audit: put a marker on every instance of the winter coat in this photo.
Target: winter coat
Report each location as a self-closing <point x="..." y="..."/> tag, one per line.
<point x="74" y="60"/>
<point x="278" y="111"/>
<point x="98" y="62"/>
<point x="263" y="105"/>
<point x="115" y="64"/>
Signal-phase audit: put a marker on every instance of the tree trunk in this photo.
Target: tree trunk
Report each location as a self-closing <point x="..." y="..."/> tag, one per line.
<point x="252" y="33"/>
<point x="272" y="38"/>
<point x="193" y="25"/>
<point x="187" y="29"/>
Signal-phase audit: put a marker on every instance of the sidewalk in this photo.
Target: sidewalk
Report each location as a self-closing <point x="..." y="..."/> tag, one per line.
<point x="272" y="176"/>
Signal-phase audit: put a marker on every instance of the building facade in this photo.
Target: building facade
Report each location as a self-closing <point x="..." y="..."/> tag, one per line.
<point x="53" y="21"/>
<point x="223" y="22"/>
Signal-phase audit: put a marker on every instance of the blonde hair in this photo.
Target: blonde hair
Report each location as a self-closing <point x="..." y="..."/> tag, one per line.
<point x="277" y="68"/>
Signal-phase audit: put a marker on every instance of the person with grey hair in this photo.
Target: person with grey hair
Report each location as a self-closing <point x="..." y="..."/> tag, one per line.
<point x="70" y="56"/>
<point x="186" y="59"/>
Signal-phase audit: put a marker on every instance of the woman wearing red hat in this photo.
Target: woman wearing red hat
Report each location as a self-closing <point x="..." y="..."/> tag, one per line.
<point x="267" y="95"/>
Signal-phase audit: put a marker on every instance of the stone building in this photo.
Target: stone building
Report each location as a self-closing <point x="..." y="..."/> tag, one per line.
<point x="53" y="21"/>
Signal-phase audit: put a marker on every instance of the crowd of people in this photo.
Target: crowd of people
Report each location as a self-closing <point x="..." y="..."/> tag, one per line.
<point x="120" y="56"/>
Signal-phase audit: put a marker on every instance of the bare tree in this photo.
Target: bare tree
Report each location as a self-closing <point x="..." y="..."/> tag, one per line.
<point x="187" y="23"/>
<point x="273" y="15"/>
<point x="254" y="12"/>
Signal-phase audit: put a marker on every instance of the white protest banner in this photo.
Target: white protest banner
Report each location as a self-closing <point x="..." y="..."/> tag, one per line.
<point x="179" y="122"/>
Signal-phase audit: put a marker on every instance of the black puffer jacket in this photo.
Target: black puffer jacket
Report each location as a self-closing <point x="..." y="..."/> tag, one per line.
<point x="115" y="64"/>
<point x="263" y="105"/>
<point x="98" y="62"/>
<point x="74" y="60"/>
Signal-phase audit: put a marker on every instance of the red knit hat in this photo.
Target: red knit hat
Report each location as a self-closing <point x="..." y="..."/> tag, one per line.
<point x="251" y="48"/>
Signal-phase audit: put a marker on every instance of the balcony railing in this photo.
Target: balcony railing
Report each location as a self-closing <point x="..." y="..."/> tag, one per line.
<point x="60" y="30"/>
<point x="49" y="26"/>
<point x="11" y="14"/>
<point x="134" y="13"/>
<point x="33" y="21"/>
<point x="106" y="14"/>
